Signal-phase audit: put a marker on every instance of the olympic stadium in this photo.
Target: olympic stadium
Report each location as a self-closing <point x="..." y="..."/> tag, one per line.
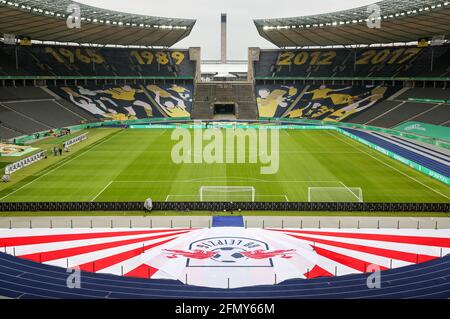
<point x="299" y="173"/>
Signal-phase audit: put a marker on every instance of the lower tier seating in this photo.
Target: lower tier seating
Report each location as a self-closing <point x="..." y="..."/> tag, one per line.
<point x="25" y="279"/>
<point x="439" y="163"/>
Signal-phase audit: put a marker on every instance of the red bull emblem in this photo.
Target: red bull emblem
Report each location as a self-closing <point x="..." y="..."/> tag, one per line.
<point x="264" y="254"/>
<point x="196" y="254"/>
<point x="256" y="254"/>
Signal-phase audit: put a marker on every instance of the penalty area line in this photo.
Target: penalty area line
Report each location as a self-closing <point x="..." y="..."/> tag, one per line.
<point x="193" y="196"/>
<point x="101" y="192"/>
<point x="359" y="199"/>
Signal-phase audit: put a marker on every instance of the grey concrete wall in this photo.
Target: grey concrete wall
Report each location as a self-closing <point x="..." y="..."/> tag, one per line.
<point x="205" y="221"/>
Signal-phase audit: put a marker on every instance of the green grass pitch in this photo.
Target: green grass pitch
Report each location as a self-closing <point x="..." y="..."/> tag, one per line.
<point x="132" y="165"/>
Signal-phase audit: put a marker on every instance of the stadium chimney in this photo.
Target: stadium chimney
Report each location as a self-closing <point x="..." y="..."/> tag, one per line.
<point x="223" y="42"/>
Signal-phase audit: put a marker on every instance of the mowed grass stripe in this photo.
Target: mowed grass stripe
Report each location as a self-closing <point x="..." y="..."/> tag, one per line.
<point x="137" y="164"/>
<point x="32" y="178"/>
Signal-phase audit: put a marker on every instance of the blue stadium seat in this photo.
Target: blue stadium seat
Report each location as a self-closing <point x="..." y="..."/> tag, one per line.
<point x="401" y="151"/>
<point x="24" y="279"/>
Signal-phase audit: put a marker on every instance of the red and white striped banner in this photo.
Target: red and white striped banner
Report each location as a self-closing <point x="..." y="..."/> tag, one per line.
<point x="226" y="256"/>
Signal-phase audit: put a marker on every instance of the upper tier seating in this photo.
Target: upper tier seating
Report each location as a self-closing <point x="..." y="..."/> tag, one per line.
<point x="362" y="62"/>
<point x="83" y="61"/>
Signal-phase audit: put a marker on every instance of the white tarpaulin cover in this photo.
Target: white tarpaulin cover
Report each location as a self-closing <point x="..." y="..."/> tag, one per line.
<point x="225" y="257"/>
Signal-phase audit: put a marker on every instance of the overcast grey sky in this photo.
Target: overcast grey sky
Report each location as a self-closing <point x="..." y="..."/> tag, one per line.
<point x="241" y="30"/>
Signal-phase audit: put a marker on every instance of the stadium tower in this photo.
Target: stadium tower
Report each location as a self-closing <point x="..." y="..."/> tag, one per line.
<point x="223" y="38"/>
<point x="228" y="94"/>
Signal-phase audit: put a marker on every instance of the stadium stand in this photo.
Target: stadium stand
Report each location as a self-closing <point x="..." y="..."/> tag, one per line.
<point x="240" y="95"/>
<point x="438" y="115"/>
<point x="402" y="113"/>
<point x="342" y="75"/>
<point x="425" y="93"/>
<point x="22" y="93"/>
<point x="130" y="101"/>
<point x="25" y="279"/>
<point x="426" y="105"/>
<point x="40" y="60"/>
<point x="383" y="105"/>
<point x="27" y="110"/>
<point x="416" y="73"/>
<point x="20" y="123"/>
<point x="368" y="62"/>
<point x="437" y="162"/>
<point x="374" y="112"/>
<point x="7" y="132"/>
<point x="86" y="116"/>
<point x="46" y="112"/>
<point x="321" y="102"/>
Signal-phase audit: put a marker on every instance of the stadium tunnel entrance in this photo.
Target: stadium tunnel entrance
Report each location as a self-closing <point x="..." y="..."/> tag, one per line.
<point x="225" y="110"/>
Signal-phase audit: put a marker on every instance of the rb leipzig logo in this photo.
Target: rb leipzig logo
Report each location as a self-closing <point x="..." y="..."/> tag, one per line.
<point x="229" y="252"/>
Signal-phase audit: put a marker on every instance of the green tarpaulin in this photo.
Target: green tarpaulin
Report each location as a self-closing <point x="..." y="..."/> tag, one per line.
<point x="429" y="130"/>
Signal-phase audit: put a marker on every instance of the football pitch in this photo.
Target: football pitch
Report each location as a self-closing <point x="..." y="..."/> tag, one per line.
<point x="136" y="164"/>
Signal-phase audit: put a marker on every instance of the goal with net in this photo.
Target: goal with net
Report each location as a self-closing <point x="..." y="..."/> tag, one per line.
<point x="227" y="194"/>
<point x="335" y="194"/>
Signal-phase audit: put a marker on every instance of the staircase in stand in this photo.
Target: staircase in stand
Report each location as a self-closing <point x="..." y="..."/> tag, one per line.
<point x="241" y="94"/>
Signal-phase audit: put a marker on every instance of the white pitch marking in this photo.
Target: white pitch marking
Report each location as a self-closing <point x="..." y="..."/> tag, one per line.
<point x="359" y="199"/>
<point x="228" y="181"/>
<point x="103" y="189"/>
<point x="54" y="169"/>
<point x="192" y="195"/>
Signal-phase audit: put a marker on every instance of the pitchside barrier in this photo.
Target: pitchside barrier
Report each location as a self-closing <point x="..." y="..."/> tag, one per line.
<point x="224" y="206"/>
<point x="26" y="138"/>
<point x="396" y="132"/>
<point x="14" y="167"/>
<point x="75" y="140"/>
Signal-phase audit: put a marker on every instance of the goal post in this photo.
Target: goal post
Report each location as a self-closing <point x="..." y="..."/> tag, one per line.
<point x="335" y="194"/>
<point x="227" y="193"/>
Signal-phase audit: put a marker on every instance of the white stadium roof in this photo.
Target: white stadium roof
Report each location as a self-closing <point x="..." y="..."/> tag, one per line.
<point x="45" y="20"/>
<point x="401" y="21"/>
